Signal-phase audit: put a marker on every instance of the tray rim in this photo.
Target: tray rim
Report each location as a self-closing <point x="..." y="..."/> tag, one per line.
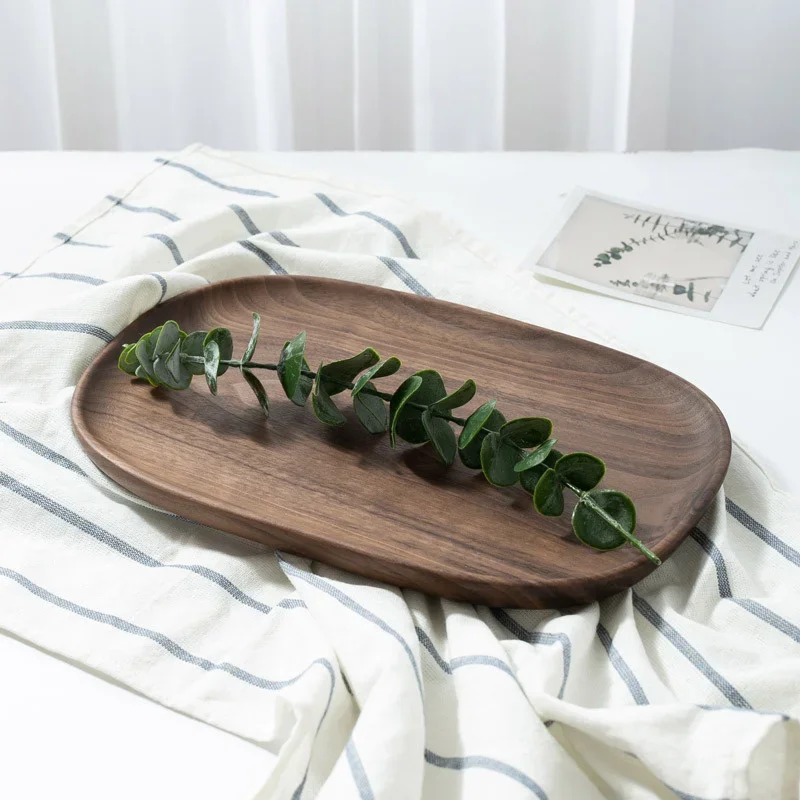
<point x="629" y="573"/>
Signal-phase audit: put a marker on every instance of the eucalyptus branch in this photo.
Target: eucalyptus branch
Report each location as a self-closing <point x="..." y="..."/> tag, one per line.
<point x="419" y="411"/>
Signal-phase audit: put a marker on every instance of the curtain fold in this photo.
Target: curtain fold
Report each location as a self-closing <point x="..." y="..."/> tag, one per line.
<point x="398" y="74"/>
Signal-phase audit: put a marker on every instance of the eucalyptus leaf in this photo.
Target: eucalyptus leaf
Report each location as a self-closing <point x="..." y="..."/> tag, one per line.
<point x="460" y="397"/>
<point x="211" y="356"/>
<point x="592" y="529"/>
<point x="290" y="364"/>
<point x="498" y="457"/>
<point x="548" y="497"/>
<point x="127" y="361"/>
<point x="371" y="411"/>
<point x="325" y="409"/>
<point x="251" y="345"/>
<point x="408" y="424"/>
<point x="475" y="421"/>
<point x="471" y="454"/>
<point x="530" y="477"/>
<point x="380" y="370"/>
<point x="192" y="345"/>
<point x="258" y="390"/>
<point x="224" y="341"/>
<point x="144" y="352"/>
<point x="337" y="374"/>
<point x="582" y="470"/>
<point x="170" y="371"/>
<point x="527" y="431"/>
<point x="441" y="436"/>
<point x="304" y="386"/>
<point x="537" y="456"/>
<point x="170" y="335"/>
<point x="404" y="392"/>
<point x="141" y="372"/>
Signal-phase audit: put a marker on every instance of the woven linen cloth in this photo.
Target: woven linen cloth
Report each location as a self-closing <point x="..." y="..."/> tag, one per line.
<point x="687" y="685"/>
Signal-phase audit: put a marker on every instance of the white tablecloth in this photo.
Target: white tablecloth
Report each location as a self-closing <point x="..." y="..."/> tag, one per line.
<point x="753" y="188"/>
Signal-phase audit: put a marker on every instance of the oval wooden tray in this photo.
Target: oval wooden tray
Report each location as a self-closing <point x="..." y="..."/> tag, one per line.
<point x="344" y="497"/>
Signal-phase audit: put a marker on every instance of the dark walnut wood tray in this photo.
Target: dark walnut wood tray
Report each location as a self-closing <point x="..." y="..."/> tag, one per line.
<point x="344" y="497"/>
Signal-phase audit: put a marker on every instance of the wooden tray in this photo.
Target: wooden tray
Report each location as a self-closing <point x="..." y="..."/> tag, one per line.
<point x="344" y="497"/>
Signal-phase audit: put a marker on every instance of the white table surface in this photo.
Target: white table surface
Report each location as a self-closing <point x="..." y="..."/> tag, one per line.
<point x="68" y="733"/>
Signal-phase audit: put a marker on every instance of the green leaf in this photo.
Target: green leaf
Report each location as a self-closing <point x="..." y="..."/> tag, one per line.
<point x="530" y="477"/>
<point x="211" y="356"/>
<point x="290" y="364"/>
<point x="441" y="436"/>
<point x="251" y="345"/>
<point x="527" y="431"/>
<point x="258" y="389"/>
<point x="498" y="457"/>
<point x="581" y="469"/>
<point x="537" y="456"/>
<point x="324" y="408"/>
<point x="170" y="371"/>
<point x="192" y="345"/>
<point x="592" y="529"/>
<point x="224" y="340"/>
<point x="402" y="395"/>
<point x="460" y="397"/>
<point x="142" y="373"/>
<point x="371" y="411"/>
<point x="303" y="386"/>
<point x="548" y="497"/>
<point x="475" y="421"/>
<point x="339" y="373"/>
<point x="379" y="370"/>
<point x="471" y="454"/>
<point x="127" y="361"/>
<point x="408" y="423"/>
<point x="169" y="336"/>
<point x="144" y="352"/>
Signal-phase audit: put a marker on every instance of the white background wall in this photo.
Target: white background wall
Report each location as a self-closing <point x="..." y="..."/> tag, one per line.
<point x="400" y="74"/>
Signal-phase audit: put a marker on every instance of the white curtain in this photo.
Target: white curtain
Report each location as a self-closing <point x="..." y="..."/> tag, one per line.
<point x="399" y="74"/>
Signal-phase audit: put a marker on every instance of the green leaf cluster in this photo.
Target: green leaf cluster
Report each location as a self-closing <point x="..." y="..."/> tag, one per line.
<point x="418" y="411"/>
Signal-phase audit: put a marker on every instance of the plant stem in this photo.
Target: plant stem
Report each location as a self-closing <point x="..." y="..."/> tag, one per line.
<point x="366" y="390"/>
<point x="588" y="500"/>
<point x="583" y="497"/>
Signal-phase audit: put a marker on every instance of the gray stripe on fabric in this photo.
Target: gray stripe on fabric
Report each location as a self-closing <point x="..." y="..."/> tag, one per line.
<point x="118" y="201"/>
<point x="405" y="276"/>
<point x="61" y="276"/>
<point x="264" y="256"/>
<point x="766" y="536"/>
<point x="461" y="661"/>
<point x="621" y="666"/>
<point x="246" y="219"/>
<point x="121" y="546"/>
<point x="483" y="762"/>
<point x="538" y="637"/>
<point x="390" y="226"/>
<point x="66" y="239"/>
<point x="69" y="327"/>
<point x="353" y="605"/>
<point x="688" y="652"/>
<point x="39" y="448"/>
<point x="282" y="238"/>
<point x="359" y="775"/>
<point x="168" y="644"/>
<point x="162" y="283"/>
<point x="426" y="642"/>
<point x="170" y="243"/>
<point x="752" y="606"/>
<point x="227" y="187"/>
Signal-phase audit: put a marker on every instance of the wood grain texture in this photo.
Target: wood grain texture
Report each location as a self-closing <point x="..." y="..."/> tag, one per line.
<point x="345" y="498"/>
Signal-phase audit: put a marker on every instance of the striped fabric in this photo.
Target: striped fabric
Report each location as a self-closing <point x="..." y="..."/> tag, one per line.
<point x="687" y="686"/>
